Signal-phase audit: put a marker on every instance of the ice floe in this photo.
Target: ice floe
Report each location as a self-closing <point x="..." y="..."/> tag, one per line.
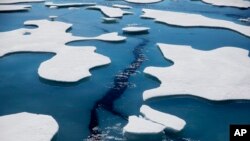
<point x="121" y="6"/>
<point x="27" y="127"/>
<point x="193" y="20"/>
<point x="52" y="17"/>
<point x="141" y="125"/>
<point x="153" y="123"/>
<point x="220" y="74"/>
<point x="49" y="4"/>
<point x="109" y="20"/>
<point x="72" y="64"/>
<point x="143" y="1"/>
<point x="245" y="20"/>
<point x="18" y="1"/>
<point x="8" y="8"/>
<point x="230" y="3"/>
<point x="110" y="11"/>
<point x="50" y="37"/>
<point x="135" y="29"/>
<point x="167" y="120"/>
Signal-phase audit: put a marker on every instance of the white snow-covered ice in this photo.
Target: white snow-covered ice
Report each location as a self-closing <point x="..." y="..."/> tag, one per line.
<point x="143" y="1"/>
<point x="11" y="8"/>
<point x="38" y="40"/>
<point x="27" y="127"/>
<point x="49" y="4"/>
<point x="230" y="3"/>
<point x="219" y="74"/>
<point x="193" y="20"/>
<point x="169" y="121"/>
<point x="110" y="11"/>
<point x="135" y="29"/>
<point x="141" y="125"/>
<point x="18" y="1"/>
<point x="72" y="64"/>
<point x="121" y="6"/>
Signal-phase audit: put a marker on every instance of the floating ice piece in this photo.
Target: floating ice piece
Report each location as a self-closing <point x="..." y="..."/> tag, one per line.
<point x="193" y="20"/>
<point x="18" y="1"/>
<point x="53" y="7"/>
<point x="50" y="36"/>
<point x="121" y="6"/>
<point x="71" y="64"/>
<point x="109" y="20"/>
<point x="110" y="11"/>
<point x="230" y="3"/>
<point x="135" y="29"/>
<point x="27" y="127"/>
<point x="143" y="1"/>
<point x="7" y="8"/>
<point x="68" y="4"/>
<point x="140" y="125"/>
<point x="246" y="20"/>
<point x="52" y="18"/>
<point x="220" y="74"/>
<point x="167" y="120"/>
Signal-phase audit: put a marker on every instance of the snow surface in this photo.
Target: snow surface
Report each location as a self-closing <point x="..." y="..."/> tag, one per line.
<point x="230" y="3"/>
<point x="110" y="11"/>
<point x="140" y="125"/>
<point x="135" y="29"/>
<point x="8" y="8"/>
<point x="220" y="74"/>
<point x="72" y="64"/>
<point x="193" y="20"/>
<point x="49" y="4"/>
<point x="121" y="6"/>
<point x="167" y="120"/>
<point x="27" y="127"/>
<point x="50" y="37"/>
<point x="18" y="1"/>
<point x="143" y="1"/>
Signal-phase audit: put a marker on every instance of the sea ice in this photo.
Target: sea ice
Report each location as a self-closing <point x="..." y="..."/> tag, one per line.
<point x="121" y="6"/>
<point x="167" y="120"/>
<point x="110" y="11"/>
<point x="141" y="125"/>
<point x="72" y="64"/>
<point x="18" y="1"/>
<point x="50" y="37"/>
<point x="230" y="3"/>
<point x="219" y="74"/>
<point x="193" y="20"/>
<point x="135" y="29"/>
<point x="27" y="127"/>
<point x="8" y="8"/>
<point x="49" y="4"/>
<point x="143" y="1"/>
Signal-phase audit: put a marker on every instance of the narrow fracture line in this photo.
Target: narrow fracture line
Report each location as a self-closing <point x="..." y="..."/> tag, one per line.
<point x="120" y="85"/>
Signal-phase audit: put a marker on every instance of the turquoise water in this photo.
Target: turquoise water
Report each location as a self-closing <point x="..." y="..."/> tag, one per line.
<point x="21" y="89"/>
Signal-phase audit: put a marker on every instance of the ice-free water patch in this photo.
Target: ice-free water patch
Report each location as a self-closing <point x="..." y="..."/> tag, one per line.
<point x="193" y="20"/>
<point x="51" y="36"/>
<point x="220" y="74"/>
<point x="27" y="127"/>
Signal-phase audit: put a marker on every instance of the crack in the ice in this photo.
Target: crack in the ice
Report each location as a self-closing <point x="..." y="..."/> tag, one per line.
<point x="120" y="85"/>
